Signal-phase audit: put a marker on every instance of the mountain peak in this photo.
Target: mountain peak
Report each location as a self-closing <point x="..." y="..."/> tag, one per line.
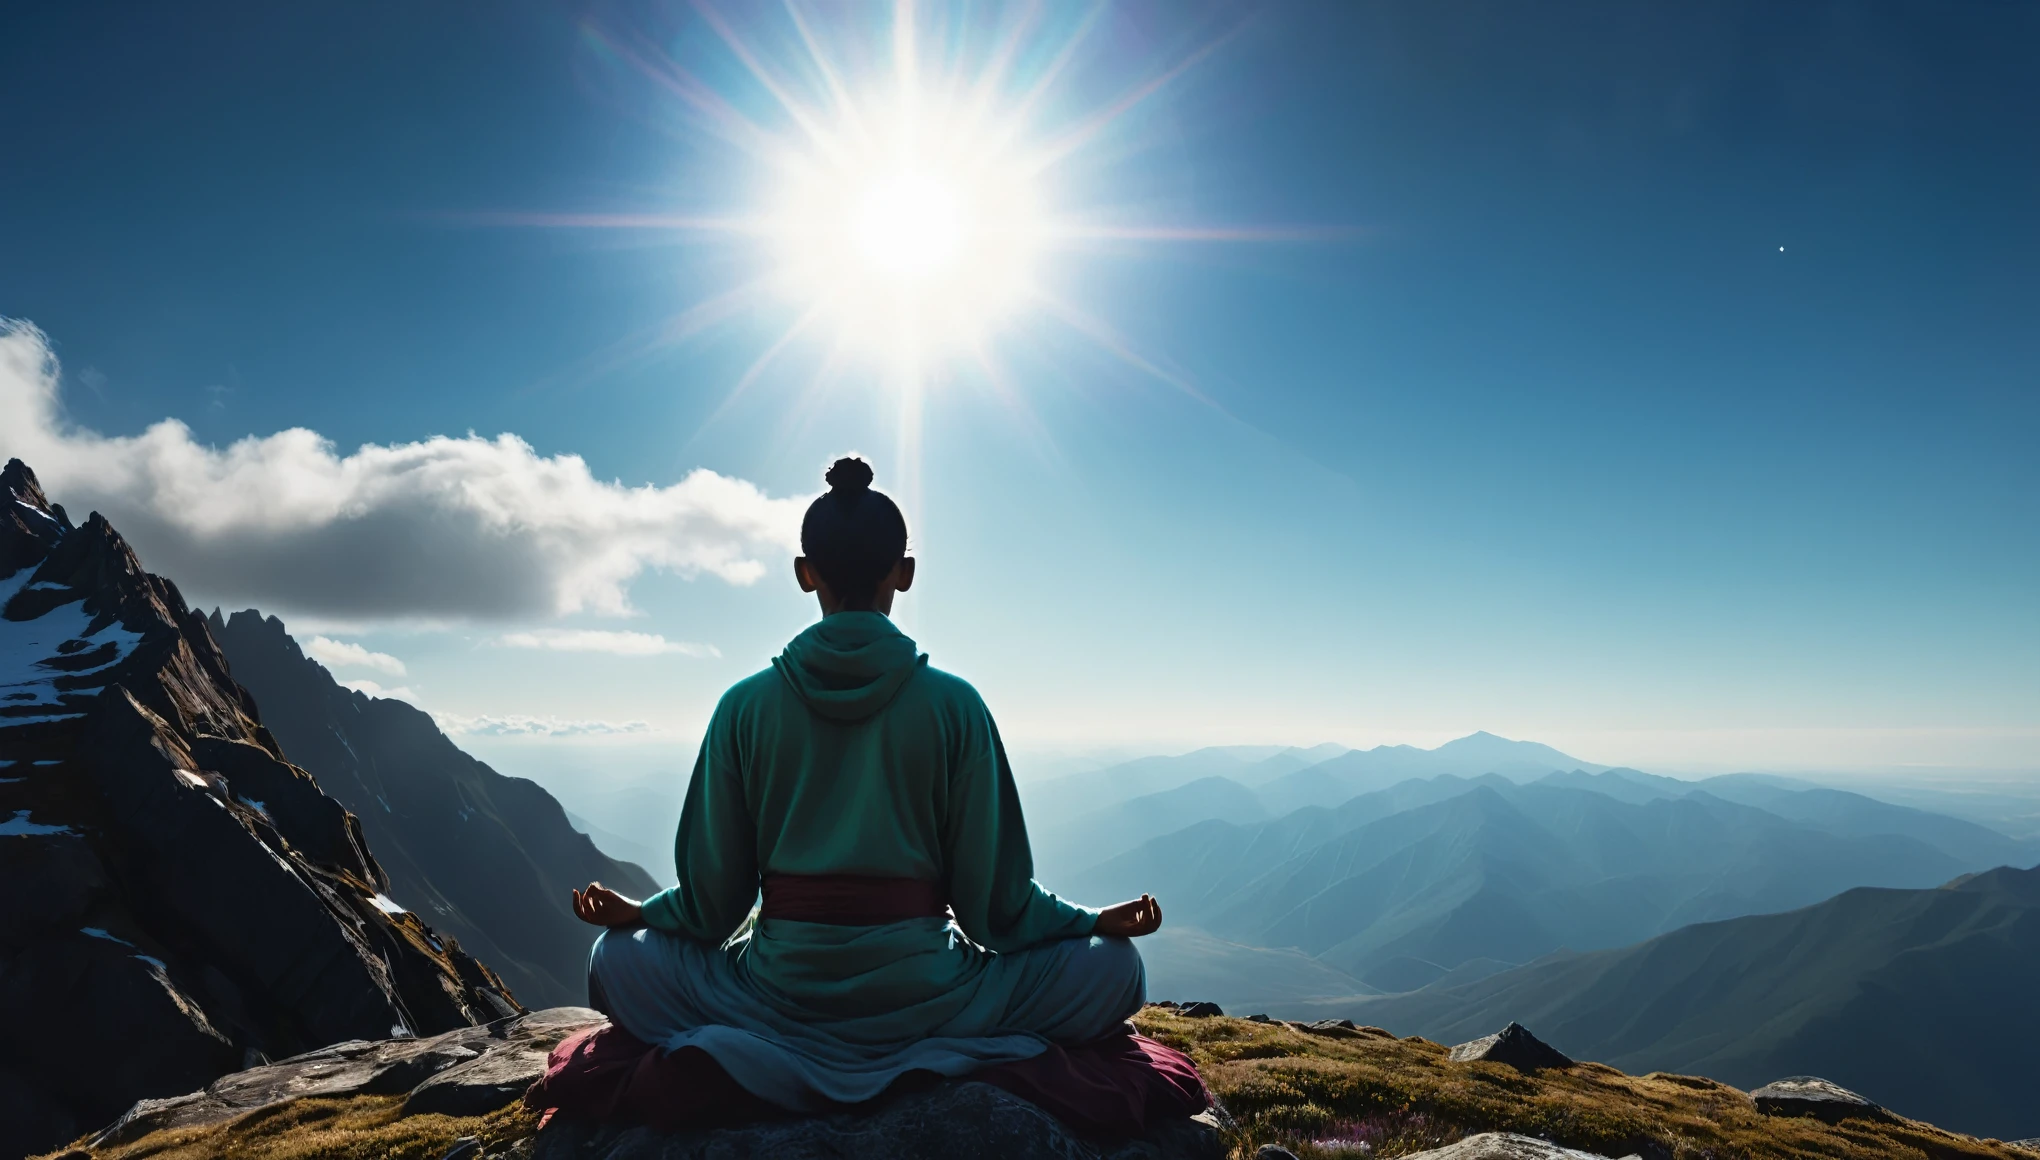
<point x="174" y="868"/>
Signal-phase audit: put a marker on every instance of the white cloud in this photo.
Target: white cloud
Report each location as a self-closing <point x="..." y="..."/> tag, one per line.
<point x="518" y="725"/>
<point x="364" y="685"/>
<point x="453" y="528"/>
<point x="623" y="644"/>
<point x="343" y="654"/>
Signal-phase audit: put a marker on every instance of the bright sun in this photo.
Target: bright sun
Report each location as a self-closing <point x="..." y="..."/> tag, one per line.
<point x="906" y="233"/>
<point x="909" y="226"/>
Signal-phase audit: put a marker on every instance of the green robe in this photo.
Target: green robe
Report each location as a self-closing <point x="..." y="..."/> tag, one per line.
<point x="850" y="755"/>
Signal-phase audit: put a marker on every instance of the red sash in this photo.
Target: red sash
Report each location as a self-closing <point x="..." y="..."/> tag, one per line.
<point x="851" y="899"/>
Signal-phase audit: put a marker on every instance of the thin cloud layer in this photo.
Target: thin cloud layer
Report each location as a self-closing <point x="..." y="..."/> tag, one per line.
<point x="446" y="528"/>
<point x="520" y="725"/>
<point x="623" y="644"/>
<point x="346" y="654"/>
<point x="371" y="688"/>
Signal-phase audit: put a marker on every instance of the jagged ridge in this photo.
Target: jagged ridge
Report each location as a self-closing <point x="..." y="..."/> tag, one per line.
<point x="180" y="900"/>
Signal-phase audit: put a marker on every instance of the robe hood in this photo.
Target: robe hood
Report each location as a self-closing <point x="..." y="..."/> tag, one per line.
<point x="848" y="666"/>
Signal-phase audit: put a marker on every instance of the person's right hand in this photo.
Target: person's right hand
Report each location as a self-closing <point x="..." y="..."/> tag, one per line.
<point x="1130" y="919"/>
<point x="600" y="906"/>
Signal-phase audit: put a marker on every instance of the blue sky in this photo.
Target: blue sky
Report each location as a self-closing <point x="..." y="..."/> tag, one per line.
<point x="1661" y="384"/>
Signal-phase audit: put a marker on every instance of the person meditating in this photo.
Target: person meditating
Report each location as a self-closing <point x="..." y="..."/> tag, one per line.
<point x="866" y="798"/>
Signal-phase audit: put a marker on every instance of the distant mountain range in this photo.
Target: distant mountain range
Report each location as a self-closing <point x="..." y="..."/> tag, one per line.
<point x="1398" y="890"/>
<point x="487" y="858"/>
<point x="1079" y="821"/>
<point x="1923" y="1000"/>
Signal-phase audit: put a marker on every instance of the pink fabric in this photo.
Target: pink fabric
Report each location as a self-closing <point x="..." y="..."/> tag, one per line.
<point x="1118" y="1086"/>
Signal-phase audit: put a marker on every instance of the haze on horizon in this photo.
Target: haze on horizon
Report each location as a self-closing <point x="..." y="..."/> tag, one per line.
<point x="1657" y="384"/>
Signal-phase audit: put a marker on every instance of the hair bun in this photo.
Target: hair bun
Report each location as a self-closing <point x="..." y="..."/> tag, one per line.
<point x="849" y="476"/>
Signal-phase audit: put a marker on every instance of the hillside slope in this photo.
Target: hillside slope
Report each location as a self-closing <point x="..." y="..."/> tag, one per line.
<point x="485" y="857"/>
<point x="1923" y="1000"/>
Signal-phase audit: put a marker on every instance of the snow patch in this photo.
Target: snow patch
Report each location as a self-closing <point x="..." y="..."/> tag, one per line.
<point x="100" y="932"/>
<point x="19" y="826"/>
<point x="388" y="905"/>
<point x="28" y="646"/>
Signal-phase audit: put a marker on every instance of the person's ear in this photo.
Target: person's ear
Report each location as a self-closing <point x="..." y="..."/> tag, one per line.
<point x="903" y="574"/>
<point x="804" y="573"/>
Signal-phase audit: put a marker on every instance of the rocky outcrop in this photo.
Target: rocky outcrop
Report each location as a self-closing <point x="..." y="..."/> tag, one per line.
<point x="1504" y="1146"/>
<point x="1515" y="1046"/>
<point x="487" y="858"/>
<point x="1807" y="1095"/>
<point x="466" y="1072"/>
<point x="476" y="1070"/>
<point x="1485" y="1146"/>
<point x="952" y="1121"/>
<point x="179" y="900"/>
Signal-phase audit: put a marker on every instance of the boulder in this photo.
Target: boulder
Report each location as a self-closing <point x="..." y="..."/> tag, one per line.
<point x="1199" y="1010"/>
<point x="1515" y="1046"/>
<point x="952" y="1121"/>
<point x="1504" y="1146"/>
<point x="1807" y="1095"/>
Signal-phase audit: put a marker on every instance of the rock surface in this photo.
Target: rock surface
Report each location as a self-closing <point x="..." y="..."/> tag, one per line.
<point x="179" y="900"/>
<point x="1503" y="1146"/>
<point x="466" y="1072"/>
<point x="1515" y="1046"/>
<point x="955" y="1121"/>
<point x="488" y="859"/>
<point x="1807" y="1095"/>
<point x="475" y="1070"/>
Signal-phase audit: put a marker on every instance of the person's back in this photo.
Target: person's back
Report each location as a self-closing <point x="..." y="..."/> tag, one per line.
<point x="868" y="798"/>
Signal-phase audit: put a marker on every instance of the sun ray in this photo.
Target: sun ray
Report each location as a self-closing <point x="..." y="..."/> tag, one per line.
<point x="817" y="135"/>
<point x="750" y="376"/>
<point x="1085" y="132"/>
<point x="1111" y="233"/>
<point x="717" y="113"/>
<point x="1110" y="341"/>
<point x="845" y="104"/>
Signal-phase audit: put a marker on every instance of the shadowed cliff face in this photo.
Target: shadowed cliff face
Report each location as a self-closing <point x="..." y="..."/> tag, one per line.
<point x="488" y="858"/>
<point x="179" y="900"/>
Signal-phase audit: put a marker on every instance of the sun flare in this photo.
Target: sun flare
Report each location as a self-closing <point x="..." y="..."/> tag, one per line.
<point x="913" y="183"/>
<point x="907" y="237"/>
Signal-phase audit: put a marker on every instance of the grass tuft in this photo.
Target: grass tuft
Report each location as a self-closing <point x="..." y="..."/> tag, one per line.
<point x="352" y="1128"/>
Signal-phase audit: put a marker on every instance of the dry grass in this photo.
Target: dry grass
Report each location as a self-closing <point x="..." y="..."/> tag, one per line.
<point x="355" y="1128"/>
<point x="1322" y="1096"/>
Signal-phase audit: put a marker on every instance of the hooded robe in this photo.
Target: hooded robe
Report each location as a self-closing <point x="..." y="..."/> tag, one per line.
<point x="851" y="756"/>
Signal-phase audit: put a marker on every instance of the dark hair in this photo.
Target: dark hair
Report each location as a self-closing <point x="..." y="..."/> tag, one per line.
<point x="853" y="535"/>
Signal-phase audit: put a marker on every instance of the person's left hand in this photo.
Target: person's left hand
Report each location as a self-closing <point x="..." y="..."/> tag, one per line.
<point x="1130" y="919"/>
<point x="598" y="905"/>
